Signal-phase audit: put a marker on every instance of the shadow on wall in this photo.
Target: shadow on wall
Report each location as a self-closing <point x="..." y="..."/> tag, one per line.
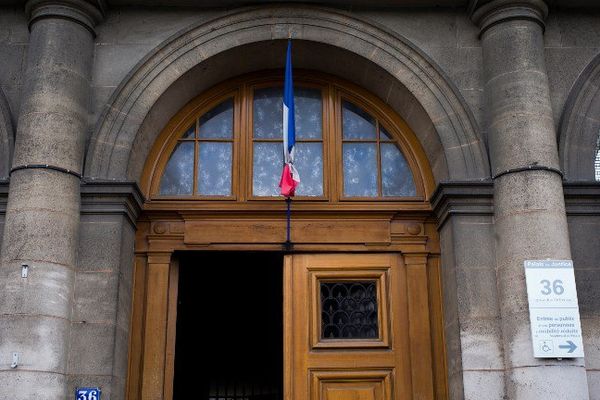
<point x="6" y="138"/>
<point x="580" y="127"/>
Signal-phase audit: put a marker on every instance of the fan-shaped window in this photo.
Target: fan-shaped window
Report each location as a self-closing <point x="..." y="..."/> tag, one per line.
<point x="201" y="162"/>
<point x="232" y="149"/>
<point x="373" y="164"/>
<point x="267" y="149"/>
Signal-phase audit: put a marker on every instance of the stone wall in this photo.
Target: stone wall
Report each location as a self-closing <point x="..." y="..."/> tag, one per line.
<point x="100" y="317"/>
<point x="14" y="39"/>
<point x="103" y="286"/>
<point x="572" y="39"/>
<point x="583" y="210"/>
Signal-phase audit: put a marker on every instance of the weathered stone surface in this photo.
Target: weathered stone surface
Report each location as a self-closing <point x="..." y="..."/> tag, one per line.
<point x="42" y="215"/>
<point x="444" y="36"/>
<point x="484" y="385"/>
<point x="113" y="62"/>
<point x="43" y="292"/>
<point x="529" y="212"/>
<point x="11" y="62"/>
<point x="35" y="184"/>
<point x="580" y="125"/>
<point x="56" y="100"/>
<point x="33" y="384"/>
<point x="120" y="362"/>
<point x="92" y="348"/>
<point x="481" y="344"/>
<point x="96" y="230"/>
<point x="246" y="29"/>
<point x="594" y="382"/>
<point x="41" y="341"/>
<point x="572" y="41"/>
<point x="96" y="296"/>
<point x="456" y="387"/>
<point x="477" y="295"/>
<point x="33" y="244"/>
<point x="591" y="340"/>
<point x="535" y="382"/>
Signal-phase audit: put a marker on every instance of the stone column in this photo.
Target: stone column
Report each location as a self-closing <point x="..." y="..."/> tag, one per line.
<point x="42" y="216"/>
<point x="529" y="211"/>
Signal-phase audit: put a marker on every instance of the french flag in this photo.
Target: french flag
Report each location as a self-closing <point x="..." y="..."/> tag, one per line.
<point x="289" y="177"/>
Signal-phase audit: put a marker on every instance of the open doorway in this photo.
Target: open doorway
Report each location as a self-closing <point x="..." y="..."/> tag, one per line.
<point x="229" y="340"/>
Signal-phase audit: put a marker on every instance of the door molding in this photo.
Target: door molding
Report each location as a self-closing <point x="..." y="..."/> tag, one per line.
<point x="161" y="234"/>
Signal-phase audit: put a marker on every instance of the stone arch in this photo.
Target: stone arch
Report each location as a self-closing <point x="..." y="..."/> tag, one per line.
<point x="6" y="137"/>
<point x="580" y="125"/>
<point x="331" y="41"/>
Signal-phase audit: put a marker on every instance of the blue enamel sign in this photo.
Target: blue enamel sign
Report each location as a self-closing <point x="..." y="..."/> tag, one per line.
<point x="87" y="393"/>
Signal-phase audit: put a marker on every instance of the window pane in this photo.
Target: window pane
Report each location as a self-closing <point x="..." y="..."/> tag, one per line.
<point x="357" y="124"/>
<point x="268" y="113"/>
<point x="308" y="113"/>
<point x="214" y="169"/>
<point x="179" y="173"/>
<point x="218" y="122"/>
<point x="396" y="175"/>
<point x="360" y="169"/>
<point x="308" y="159"/>
<point x="349" y="310"/>
<point x="190" y="133"/>
<point x="267" y="167"/>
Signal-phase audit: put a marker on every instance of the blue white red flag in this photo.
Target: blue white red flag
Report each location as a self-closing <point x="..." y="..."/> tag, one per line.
<point x="289" y="176"/>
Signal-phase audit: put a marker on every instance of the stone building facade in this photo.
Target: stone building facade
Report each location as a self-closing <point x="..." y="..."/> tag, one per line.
<point x="503" y="97"/>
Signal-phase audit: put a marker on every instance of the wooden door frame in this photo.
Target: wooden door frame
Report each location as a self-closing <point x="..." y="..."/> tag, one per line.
<point x="333" y="224"/>
<point x="161" y="234"/>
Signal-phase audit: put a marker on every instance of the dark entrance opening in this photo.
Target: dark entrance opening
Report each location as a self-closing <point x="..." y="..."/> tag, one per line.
<point x="229" y="340"/>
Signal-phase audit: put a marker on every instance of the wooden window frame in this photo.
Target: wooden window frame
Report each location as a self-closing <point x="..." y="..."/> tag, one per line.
<point x="334" y="92"/>
<point x="249" y="138"/>
<point x="377" y="275"/>
<point x="169" y="225"/>
<point x="177" y="129"/>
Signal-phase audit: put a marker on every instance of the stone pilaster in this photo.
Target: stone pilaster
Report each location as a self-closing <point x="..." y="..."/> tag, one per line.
<point x="42" y="216"/>
<point x="529" y="210"/>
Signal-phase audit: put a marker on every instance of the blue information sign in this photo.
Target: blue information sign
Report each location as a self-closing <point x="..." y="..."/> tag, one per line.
<point x="87" y="393"/>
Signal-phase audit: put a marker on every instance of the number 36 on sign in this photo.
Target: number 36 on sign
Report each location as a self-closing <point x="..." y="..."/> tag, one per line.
<point x="87" y="393"/>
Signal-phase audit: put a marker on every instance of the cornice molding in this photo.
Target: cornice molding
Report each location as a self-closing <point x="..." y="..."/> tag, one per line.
<point x="582" y="198"/>
<point x="99" y="198"/>
<point x="112" y="198"/>
<point x="450" y="198"/>
<point x="498" y="11"/>
<point x="462" y="198"/>
<point x="85" y="12"/>
<point x="477" y="198"/>
<point x="4" y="183"/>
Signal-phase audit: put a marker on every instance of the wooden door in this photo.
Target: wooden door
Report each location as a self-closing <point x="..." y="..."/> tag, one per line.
<point x="346" y="327"/>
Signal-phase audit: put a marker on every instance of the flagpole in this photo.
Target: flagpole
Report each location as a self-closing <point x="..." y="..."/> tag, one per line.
<point x="289" y="177"/>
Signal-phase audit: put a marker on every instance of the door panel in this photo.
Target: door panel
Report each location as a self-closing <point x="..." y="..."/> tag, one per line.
<point x="350" y="385"/>
<point x="346" y="336"/>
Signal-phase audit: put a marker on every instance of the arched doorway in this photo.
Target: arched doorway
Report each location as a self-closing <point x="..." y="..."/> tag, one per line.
<point x="362" y="221"/>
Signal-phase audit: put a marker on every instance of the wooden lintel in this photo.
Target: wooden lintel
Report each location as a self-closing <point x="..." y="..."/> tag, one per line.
<point x="322" y="231"/>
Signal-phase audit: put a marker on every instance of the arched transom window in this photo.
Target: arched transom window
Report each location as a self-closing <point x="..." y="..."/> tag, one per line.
<point x="228" y="145"/>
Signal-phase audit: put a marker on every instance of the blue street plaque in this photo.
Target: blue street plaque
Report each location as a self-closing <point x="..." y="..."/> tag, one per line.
<point x="87" y="393"/>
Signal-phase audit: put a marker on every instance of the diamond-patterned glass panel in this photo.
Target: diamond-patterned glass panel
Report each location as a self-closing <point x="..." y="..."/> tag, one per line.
<point x="349" y="310"/>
